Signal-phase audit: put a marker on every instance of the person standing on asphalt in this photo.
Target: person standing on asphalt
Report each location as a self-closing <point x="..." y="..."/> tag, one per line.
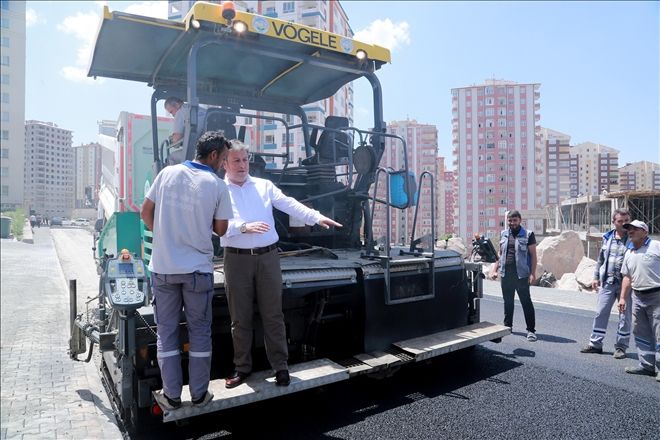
<point x="252" y="264"/>
<point x="641" y="273"/>
<point x="516" y="267"/>
<point x="185" y="204"/>
<point x="607" y="279"/>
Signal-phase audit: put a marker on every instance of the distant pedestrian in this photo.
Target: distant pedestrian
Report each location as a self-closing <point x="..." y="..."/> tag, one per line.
<point x="33" y="221"/>
<point x="641" y="272"/>
<point x="607" y="279"/>
<point x="185" y="204"/>
<point x="516" y="268"/>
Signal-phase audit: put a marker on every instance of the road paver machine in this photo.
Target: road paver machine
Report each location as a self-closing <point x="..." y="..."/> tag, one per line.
<point x="353" y="304"/>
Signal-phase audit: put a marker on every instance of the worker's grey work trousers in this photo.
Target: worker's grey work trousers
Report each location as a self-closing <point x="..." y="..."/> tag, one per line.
<point x="248" y="277"/>
<point x="193" y="292"/>
<point x="607" y="295"/>
<point x="646" y="328"/>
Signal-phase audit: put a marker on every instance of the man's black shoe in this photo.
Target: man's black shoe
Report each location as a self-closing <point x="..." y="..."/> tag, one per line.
<point x="591" y="349"/>
<point x="639" y="371"/>
<point x="235" y="379"/>
<point x="282" y="378"/>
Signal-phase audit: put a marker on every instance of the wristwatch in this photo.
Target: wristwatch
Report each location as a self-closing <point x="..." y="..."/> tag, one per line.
<point x="243" y="228"/>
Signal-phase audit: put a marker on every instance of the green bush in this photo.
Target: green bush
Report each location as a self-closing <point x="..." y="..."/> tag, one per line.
<point x="18" y="221"/>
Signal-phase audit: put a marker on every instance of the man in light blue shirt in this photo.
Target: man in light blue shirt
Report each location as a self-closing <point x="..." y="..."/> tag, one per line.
<point x="185" y="204"/>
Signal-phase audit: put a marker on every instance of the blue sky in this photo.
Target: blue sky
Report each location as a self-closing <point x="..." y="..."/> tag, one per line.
<point x="597" y="62"/>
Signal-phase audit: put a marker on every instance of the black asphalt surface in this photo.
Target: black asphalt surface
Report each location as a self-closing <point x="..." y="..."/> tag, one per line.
<point x="512" y="390"/>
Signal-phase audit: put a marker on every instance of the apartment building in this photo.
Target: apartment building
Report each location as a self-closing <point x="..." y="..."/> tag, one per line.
<point x="49" y="169"/>
<point x="88" y="174"/>
<point x="556" y="160"/>
<point x="497" y="149"/>
<point x="421" y="152"/>
<point x="270" y="135"/>
<point x="449" y="178"/>
<point x="639" y="176"/>
<point x="12" y="71"/>
<point x="594" y="169"/>
<point x="440" y="196"/>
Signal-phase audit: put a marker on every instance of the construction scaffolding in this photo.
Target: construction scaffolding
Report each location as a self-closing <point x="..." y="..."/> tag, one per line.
<point x="592" y="214"/>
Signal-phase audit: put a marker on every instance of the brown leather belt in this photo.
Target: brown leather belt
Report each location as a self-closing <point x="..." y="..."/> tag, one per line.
<point x="253" y="251"/>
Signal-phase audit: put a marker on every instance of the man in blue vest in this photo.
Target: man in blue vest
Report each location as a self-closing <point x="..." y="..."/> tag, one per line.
<point x="607" y="279"/>
<point x="516" y="268"/>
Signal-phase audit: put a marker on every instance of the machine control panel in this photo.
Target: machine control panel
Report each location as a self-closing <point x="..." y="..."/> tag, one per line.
<point x="126" y="282"/>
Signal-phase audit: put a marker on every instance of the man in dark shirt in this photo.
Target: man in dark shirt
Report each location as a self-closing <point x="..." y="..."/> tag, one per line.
<point x="516" y="267"/>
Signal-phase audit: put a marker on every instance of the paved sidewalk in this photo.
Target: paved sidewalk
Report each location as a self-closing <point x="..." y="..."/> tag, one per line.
<point x="557" y="297"/>
<point x="44" y="394"/>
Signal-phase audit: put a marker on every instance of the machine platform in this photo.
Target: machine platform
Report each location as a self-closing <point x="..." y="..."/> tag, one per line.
<point x="308" y="375"/>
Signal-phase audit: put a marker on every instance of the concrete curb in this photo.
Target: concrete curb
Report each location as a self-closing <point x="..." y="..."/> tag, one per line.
<point x="28" y="237"/>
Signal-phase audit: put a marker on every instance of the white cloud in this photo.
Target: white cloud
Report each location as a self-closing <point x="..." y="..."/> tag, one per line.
<point x="79" y="74"/>
<point x="157" y="9"/>
<point x="385" y="33"/>
<point x="84" y="25"/>
<point x="31" y="18"/>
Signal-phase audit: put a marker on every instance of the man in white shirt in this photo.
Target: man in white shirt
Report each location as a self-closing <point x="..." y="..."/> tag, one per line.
<point x="175" y="107"/>
<point x="641" y="274"/>
<point x="184" y="205"/>
<point x="252" y="264"/>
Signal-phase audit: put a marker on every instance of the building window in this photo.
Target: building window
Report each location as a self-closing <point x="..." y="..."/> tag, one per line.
<point x="4" y="153"/>
<point x="5" y="135"/>
<point x="4" y="172"/>
<point x="489" y="90"/>
<point x="490" y="101"/>
<point x="288" y="7"/>
<point x="5" y="190"/>
<point x="5" y="98"/>
<point x="4" y="60"/>
<point x="4" y="22"/>
<point x="5" y="79"/>
<point x="5" y="41"/>
<point x="5" y="117"/>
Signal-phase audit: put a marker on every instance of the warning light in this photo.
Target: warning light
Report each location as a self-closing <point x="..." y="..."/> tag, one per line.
<point x="228" y="11"/>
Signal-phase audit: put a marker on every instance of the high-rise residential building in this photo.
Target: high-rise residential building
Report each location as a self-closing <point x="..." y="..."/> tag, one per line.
<point x="496" y="147"/>
<point x="556" y="160"/>
<point x="594" y="169"/>
<point x="639" y="176"/>
<point x="12" y="70"/>
<point x="49" y="169"/>
<point x="88" y="174"/>
<point x="450" y="202"/>
<point x="445" y="199"/>
<point x="422" y="149"/>
<point x="440" y="197"/>
<point x="270" y="136"/>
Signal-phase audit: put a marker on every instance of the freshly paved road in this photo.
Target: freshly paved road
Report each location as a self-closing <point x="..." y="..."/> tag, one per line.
<point x="512" y="390"/>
